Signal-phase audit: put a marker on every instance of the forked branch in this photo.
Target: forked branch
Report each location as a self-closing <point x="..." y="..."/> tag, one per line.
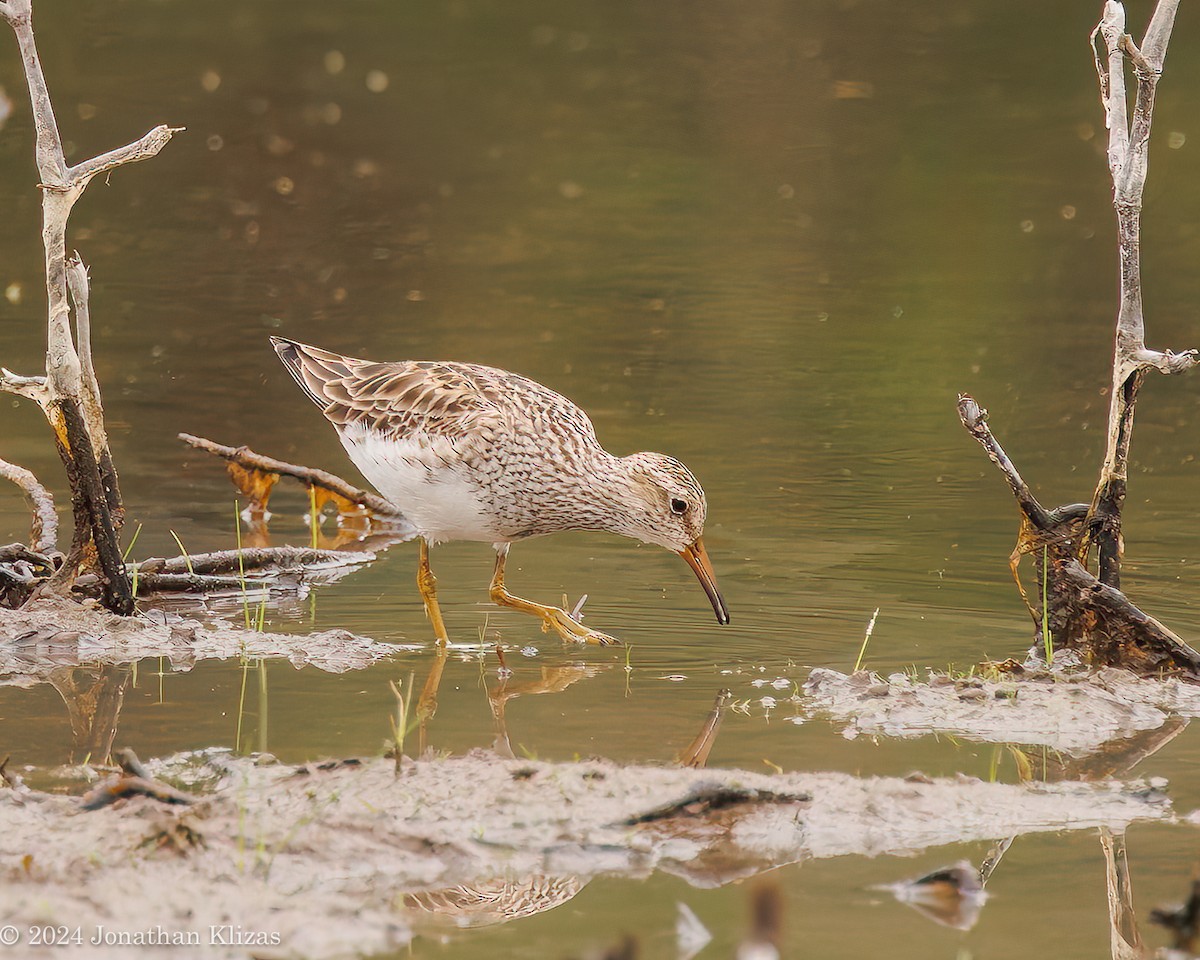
<point x="69" y="395"/>
<point x="1128" y="157"/>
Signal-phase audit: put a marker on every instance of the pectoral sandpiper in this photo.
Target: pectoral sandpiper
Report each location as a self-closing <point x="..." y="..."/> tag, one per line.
<point x="469" y="452"/>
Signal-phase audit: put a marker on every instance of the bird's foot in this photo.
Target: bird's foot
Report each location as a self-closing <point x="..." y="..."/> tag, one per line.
<point x="572" y="631"/>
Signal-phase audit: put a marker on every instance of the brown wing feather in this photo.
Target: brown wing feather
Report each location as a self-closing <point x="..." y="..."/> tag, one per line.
<point x="449" y="400"/>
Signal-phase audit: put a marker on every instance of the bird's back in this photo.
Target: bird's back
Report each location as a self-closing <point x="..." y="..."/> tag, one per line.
<point x="460" y="446"/>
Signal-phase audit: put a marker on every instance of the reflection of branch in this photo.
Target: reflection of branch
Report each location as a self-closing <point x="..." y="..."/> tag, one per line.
<point x="93" y="697"/>
<point x="1123" y="926"/>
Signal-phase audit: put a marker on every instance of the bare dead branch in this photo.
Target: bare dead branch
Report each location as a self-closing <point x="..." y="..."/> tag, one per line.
<point x="52" y="166"/>
<point x="248" y="459"/>
<point x="1154" y="43"/>
<point x="43" y="537"/>
<point x="143" y="149"/>
<point x="79" y="289"/>
<point x="70" y="396"/>
<point x="249" y="560"/>
<point x="974" y="418"/>
<point x="32" y="388"/>
<point x="1128" y="160"/>
<point x="1112" y="82"/>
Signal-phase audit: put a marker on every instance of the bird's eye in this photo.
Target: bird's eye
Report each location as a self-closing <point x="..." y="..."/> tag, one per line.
<point x="679" y="507"/>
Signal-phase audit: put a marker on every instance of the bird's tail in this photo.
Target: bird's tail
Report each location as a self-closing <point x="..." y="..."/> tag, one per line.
<point x="311" y="367"/>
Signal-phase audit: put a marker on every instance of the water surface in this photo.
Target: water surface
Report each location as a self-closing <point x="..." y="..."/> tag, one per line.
<point x="773" y="240"/>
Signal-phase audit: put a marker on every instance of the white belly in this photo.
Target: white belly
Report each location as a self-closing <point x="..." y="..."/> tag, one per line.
<point x="435" y="497"/>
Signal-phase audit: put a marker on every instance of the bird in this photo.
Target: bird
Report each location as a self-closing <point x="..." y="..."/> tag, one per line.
<point x="471" y="452"/>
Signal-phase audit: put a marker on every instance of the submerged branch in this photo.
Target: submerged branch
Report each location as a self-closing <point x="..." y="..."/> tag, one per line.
<point x="247" y="459"/>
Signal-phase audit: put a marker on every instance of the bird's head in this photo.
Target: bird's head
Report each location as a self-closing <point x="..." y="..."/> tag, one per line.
<point x="666" y="506"/>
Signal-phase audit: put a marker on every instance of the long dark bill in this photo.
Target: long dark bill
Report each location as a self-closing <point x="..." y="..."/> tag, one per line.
<point x="697" y="558"/>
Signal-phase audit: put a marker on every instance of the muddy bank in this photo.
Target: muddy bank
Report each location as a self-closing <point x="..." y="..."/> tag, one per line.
<point x="1073" y="714"/>
<point x="344" y="861"/>
<point x="51" y="634"/>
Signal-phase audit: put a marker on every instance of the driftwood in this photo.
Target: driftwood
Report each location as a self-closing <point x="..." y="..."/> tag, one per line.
<point x="21" y="571"/>
<point x="69" y="394"/>
<point x="133" y="781"/>
<point x="1085" y="613"/>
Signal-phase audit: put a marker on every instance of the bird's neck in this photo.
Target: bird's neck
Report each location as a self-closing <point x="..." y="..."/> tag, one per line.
<point x="612" y="492"/>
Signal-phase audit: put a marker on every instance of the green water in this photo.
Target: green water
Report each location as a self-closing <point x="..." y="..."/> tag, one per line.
<point x="773" y="240"/>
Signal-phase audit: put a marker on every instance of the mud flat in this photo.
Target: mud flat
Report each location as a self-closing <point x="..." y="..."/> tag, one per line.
<point x="1074" y="714"/>
<point x="53" y="633"/>
<point x="344" y="859"/>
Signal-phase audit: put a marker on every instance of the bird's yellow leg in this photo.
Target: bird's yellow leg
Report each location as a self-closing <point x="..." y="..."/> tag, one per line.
<point x="568" y="628"/>
<point x="427" y="584"/>
<point x="427" y="703"/>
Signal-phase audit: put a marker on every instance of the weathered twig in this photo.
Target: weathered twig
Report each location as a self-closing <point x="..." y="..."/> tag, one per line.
<point x="1048" y="534"/>
<point x="1128" y="153"/>
<point x="69" y="395"/>
<point x="974" y="418"/>
<point x="248" y="460"/>
<point x="43" y="537"/>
